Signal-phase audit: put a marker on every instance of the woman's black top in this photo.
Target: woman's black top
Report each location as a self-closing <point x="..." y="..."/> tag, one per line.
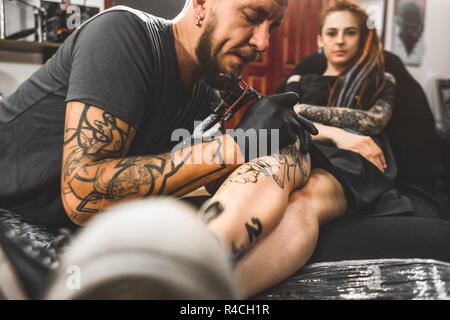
<point x="368" y="190"/>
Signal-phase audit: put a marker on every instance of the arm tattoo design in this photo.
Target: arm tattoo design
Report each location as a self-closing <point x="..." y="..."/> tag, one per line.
<point x="370" y="122"/>
<point x="99" y="137"/>
<point x="95" y="170"/>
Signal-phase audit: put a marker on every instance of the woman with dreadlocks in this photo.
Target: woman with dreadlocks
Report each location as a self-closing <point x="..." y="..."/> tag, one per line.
<point x="351" y="104"/>
<point x="354" y="93"/>
<point x="270" y="209"/>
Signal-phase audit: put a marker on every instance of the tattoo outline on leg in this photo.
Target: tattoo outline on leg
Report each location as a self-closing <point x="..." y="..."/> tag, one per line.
<point x="210" y="210"/>
<point x="290" y="159"/>
<point x="252" y="231"/>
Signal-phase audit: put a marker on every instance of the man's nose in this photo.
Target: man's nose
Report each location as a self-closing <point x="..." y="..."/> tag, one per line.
<point x="260" y="37"/>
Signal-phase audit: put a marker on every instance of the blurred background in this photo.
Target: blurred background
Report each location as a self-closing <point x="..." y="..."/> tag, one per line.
<point x="427" y="61"/>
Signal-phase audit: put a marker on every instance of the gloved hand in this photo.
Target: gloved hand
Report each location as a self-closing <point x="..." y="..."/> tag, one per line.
<point x="276" y="112"/>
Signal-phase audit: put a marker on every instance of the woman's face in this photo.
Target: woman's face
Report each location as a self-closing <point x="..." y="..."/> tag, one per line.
<point x="340" y="38"/>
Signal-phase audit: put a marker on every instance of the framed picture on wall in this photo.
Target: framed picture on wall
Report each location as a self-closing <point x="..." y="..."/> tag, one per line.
<point x="443" y="108"/>
<point x="409" y="25"/>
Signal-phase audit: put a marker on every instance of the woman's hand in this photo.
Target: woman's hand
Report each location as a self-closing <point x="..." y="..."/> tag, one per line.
<point x="363" y="145"/>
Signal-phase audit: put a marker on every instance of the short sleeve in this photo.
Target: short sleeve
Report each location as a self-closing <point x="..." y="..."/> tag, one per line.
<point x="110" y="67"/>
<point x="291" y="83"/>
<point x="388" y="92"/>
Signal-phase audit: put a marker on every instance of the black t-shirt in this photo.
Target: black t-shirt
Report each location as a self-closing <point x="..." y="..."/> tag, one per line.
<point x="123" y="61"/>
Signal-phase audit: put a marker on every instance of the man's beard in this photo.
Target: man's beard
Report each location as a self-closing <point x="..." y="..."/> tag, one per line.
<point x="208" y="61"/>
<point x="208" y="57"/>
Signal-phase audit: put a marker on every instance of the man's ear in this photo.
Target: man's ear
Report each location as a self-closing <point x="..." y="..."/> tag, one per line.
<point x="199" y="7"/>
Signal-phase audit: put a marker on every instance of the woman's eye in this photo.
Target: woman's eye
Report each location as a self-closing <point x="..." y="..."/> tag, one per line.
<point x="331" y="34"/>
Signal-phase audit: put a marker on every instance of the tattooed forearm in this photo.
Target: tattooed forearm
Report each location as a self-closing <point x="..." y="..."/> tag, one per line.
<point x="96" y="173"/>
<point x="96" y="184"/>
<point x="370" y="122"/>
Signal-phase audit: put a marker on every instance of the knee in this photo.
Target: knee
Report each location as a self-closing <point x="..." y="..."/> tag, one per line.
<point x="321" y="198"/>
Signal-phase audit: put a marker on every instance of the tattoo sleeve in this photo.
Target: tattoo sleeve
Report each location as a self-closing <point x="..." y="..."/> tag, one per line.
<point x="96" y="172"/>
<point x="370" y="122"/>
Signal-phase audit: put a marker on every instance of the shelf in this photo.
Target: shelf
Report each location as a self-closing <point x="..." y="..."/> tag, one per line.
<point x="29" y="46"/>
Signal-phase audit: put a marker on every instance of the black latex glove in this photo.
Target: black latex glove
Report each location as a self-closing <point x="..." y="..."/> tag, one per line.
<point x="276" y="112"/>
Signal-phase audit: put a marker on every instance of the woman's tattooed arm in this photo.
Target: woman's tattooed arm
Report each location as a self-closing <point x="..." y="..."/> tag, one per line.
<point x="96" y="173"/>
<point x="369" y="123"/>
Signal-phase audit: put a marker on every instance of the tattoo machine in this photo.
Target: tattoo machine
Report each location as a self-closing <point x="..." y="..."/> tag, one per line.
<point x="235" y="93"/>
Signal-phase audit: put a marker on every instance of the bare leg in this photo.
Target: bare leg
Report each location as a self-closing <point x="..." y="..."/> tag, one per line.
<point x="290" y="245"/>
<point x="252" y="201"/>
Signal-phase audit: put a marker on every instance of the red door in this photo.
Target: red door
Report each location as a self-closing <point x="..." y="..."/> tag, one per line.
<point x="293" y="40"/>
<point x="109" y="4"/>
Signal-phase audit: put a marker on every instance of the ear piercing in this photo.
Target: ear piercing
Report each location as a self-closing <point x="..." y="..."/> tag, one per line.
<point x="198" y="22"/>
